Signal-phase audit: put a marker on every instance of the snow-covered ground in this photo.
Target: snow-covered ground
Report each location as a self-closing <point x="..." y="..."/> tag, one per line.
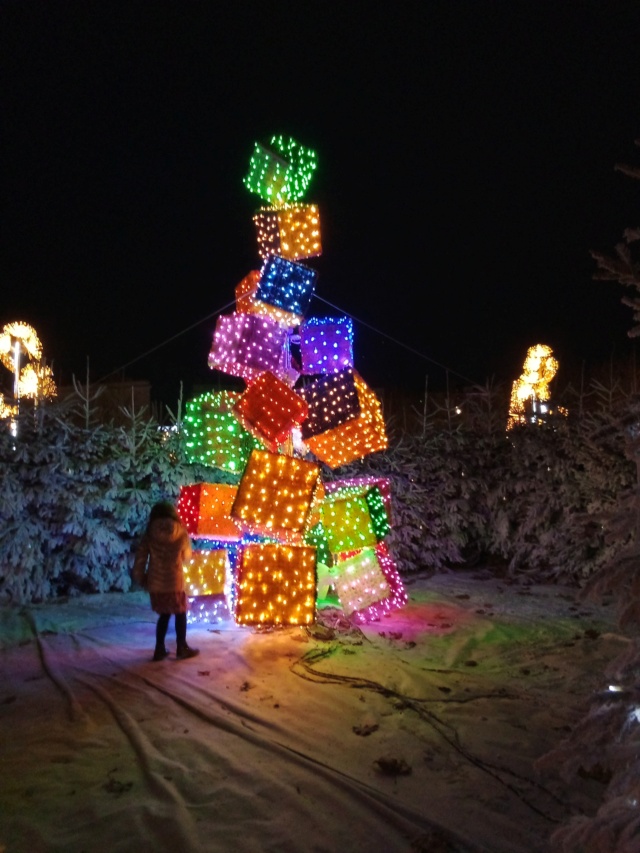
<point x="416" y="733"/>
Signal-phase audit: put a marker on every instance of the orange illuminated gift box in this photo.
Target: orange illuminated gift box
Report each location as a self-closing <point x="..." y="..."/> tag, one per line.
<point x="355" y="438"/>
<point x="269" y="409"/>
<point x="291" y="231"/>
<point x="205" y="509"/>
<point x="275" y="584"/>
<point x="248" y="303"/>
<point x="207" y="573"/>
<point x="275" y="494"/>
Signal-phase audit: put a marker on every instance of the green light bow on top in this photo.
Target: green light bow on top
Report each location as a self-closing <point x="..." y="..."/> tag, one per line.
<point x="281" y="172"/>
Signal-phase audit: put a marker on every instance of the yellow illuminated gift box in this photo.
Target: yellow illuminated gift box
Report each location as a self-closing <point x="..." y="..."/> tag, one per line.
<point x="275" y="494"/>
<point x="275" y="585"/>
<point x="205" y="509"/>
<point x="291" y="231"/>
<point x="269" y="409"/>
<point x="207" y="573"/>
<point x="355" y="438"/>
<point x="348" y="523"/>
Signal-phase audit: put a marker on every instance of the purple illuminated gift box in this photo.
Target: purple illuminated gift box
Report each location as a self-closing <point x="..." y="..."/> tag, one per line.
<point x="332" y="399"/>
<point x="326" y="344"/>
<point x="247" y="344"/>
<point x="286" y="284"/>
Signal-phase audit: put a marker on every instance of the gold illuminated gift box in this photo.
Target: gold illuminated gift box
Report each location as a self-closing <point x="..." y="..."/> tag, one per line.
<point x="207" y="573"/>
<point x="275" y="494"/>
<point x="291" y="231"/>
<point x="275" y="584"/>
<point x="269" y="409"/>
<point x="355" y="438"/>
<point x="205" y="509"/>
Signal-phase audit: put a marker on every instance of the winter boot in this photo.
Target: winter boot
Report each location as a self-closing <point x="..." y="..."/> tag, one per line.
<point x="184" y="651"/>
<point x="160" y="653"/>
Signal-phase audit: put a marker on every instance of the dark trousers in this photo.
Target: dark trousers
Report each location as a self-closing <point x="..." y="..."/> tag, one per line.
<point x="163" y="624"/>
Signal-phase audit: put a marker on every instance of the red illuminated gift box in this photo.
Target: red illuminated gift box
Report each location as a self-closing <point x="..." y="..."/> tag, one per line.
<point x="332" y="399"/>
<point x="275" y="584"/>
<point x="247" y="344"/>
<point x="355" y="438"/>
<point x="326" y="345"/>
<point x="205" y="509"/>
<point x="269" y="409"/>
<point x="275" y="494"/>
<point x="291" y="231"/>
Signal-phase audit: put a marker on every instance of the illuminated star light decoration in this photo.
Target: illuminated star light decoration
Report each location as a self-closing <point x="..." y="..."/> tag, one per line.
<point x="533" y="385"/>
<point x="33" y="380"/>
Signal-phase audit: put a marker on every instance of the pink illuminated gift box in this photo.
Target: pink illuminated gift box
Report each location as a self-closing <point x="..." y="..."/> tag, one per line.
<point x="368" y="584"/>
<point x="291" y="231"/>
<point x="270" y="409"/>
<point x="355" y="438"/>
<point x="275" y="495"/>
<point x="275" y="584"/>
<point x="247" y="344"/>
<point x="326" y="345"/>
<point x="205" y="510"/>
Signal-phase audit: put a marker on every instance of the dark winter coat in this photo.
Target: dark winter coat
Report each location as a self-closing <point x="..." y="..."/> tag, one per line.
<point x="161" y="555"/>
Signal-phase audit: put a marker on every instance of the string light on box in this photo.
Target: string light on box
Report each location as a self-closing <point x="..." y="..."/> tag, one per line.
<point x="332" y="400"/>
<point x="205" y="510"/>
<point x="206" y="573"/>
<point x="275" y="494"/>
<point x="349" y="523"/>
<point x="214" y="436"/>
<point x="276" y="585"/>
<point x="245" y="345"/>
<point x="357" y="437"/>
<point x="270" y="410"/>
<point x="368" y="584"/>
<point x="282" y="171"/>
<point x="291" y="231"/>
<point x="326" y="345"/>
<point x="359" y="486"/>
<point x="248" y="303"/>
<point x="287" y="285"/>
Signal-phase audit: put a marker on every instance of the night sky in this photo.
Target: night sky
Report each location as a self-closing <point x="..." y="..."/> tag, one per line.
<point x="466" y="169"/>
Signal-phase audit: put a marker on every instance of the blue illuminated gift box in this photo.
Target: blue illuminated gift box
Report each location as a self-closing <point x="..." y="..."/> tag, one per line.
<point x="286" y="285"/>
<point x="326" y="345"/>
<point x="332" y="399"/>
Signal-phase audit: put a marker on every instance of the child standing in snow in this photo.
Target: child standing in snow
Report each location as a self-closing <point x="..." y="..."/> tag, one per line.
<point x="162" y="552"/>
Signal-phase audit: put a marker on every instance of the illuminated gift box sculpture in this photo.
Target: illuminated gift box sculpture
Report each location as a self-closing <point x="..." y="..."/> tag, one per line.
<point x="326" y="345"/>
<point x="292" y="231"/>
<point x="355" y="438"/>
<point x="332" y="400"/>
<point x="354" y="521"/>
<point x="270" y="409"/>
<point x="208" y="585"/>
<point x="360" y="486"/>
<point x="317" y="536"/>
<point x="214" y="436"/>
<point x="276" y="585"/>
<point x="205" y="510"/>
<point x="286" y="285"/>
<point x="275" y="494"/>
<point x="368" y="584"/>
<point x="247" y="302"/>
<point x="281" y="172"/>
<point x="246" y="345"/>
